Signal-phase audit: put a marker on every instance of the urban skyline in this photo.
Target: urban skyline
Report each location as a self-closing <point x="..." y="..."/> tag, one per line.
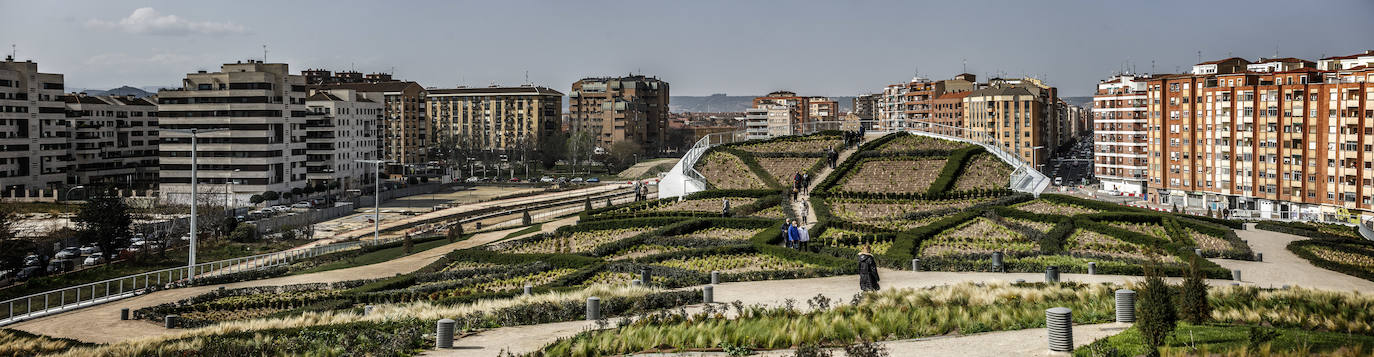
<point x="698" y="46"/>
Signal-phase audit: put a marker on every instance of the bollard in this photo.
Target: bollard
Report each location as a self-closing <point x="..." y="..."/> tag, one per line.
<point x="443" y="334"/>
<point x="636" y="282"/>
<point x="1059" y="322"/>
<point x="1235" y="275"/>
<point x="1197" y="251"/>
<point x="708" y="294"/>
<point x="169" y="321"/>
<point x="1259" y="257"/>
<point x="124" y="314"/>
<point x="1020" y="281"/>
<point x="529" y="289"/>
<point x="1125" y="305"/>
<point x="593" y="308"/>
<point x="1092" y="268"/>
<point x="644" y="276"/>
<point x="367" y="310"/>
<point x="915" y="264"/>
<point x="715" y="277"/>
<point x="1052" y="274"/>
<point x="997" y="261"/>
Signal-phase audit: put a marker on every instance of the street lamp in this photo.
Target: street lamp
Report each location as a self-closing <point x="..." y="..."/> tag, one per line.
<point x="376" y="198"/>
<point x="229" y="189"/>
<point x="1034" y="163"/>
<point x="191" y="262"/>
<point x="68" y="195"/>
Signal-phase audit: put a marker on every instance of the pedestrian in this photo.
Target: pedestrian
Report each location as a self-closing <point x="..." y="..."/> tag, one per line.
<point x="793" y="235"/>
<point x="783" y="231"/>
<point x="803" y="237"/>
<point x="725" y="208"/>
<point x="868" y="270"/>
<point x="806" y="207"/>
<point x="806" y="182"/>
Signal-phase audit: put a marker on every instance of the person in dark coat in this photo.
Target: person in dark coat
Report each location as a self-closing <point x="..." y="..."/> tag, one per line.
<point x="725" y="211"/>
<point x="868" y="270"/>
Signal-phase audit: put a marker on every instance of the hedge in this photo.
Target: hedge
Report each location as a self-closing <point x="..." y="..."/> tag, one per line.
<point x="1363" y="248"/>
<point x="1311" y="230"/>
<point x="954" y="166"/>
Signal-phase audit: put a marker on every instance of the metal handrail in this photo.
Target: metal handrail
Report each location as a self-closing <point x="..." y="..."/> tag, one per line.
<point x="1024" y="177"/>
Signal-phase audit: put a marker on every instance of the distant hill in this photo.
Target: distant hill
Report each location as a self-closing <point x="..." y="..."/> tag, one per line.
<point x="121" y="91"/>
<point x="1085" y="102"/>
<point x="716" y="103"/>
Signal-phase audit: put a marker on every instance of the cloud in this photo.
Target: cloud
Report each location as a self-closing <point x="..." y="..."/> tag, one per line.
<point x="148" y="21"/>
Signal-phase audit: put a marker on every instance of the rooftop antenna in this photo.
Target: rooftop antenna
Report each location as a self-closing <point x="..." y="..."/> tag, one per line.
<point x="1152" y="64"/>
<point x="264" y="53"/>
<point x="964" y="67"/>
<point x="14" y="51"/>
<point x="527" y="77"/>
<point x="1199" y="56"/>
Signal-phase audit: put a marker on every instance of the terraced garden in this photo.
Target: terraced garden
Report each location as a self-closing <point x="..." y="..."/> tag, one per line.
<point x="727" y="172"/>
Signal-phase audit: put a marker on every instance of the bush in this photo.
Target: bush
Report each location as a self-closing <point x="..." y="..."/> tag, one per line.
<point x="865" y="349"/>
<point x="256" y="199"/>
<point x="244" y="233"/>
<point x="271" y="195"/>
<point x="1156" y="317"/>
<point x="1193" y="304"/>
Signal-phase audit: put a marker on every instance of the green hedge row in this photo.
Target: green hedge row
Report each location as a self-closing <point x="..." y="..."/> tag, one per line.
<point x="1302" y="248"/>
<point x="1312" y="230"/>
<point x="954" y="167"/>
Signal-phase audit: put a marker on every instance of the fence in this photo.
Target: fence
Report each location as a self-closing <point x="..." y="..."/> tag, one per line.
<point x="275" y="224"/>
<point x="1024" y="177"/>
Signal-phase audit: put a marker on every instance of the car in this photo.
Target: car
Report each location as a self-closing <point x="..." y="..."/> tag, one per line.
<point x="68" y="253"/>
<point x="61" y="265"/>
<point x="577" y="180"/>
<point x="1058" y="181"/>
<point x="186" y="237"/>
<point x="29" y="273"/>
<point x="515" y="179"/>
<point x="31" y="260"/>
<point x="93" y="259"/>
<point x="90" y="249"/>
<point x="473" y="179"/>
<point x="301" y="205"/>
<point x="546" y="179"/>
<point x="280" y="208"/>
<point x="593" y="180"/>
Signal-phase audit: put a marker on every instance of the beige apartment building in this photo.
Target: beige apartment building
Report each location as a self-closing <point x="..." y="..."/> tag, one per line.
<point x="805" y="114"/>
<point x="261" y="106"/>
<point x="113" y="141"/>
<point x="616" y="109"/>
<point x="34" y="146"/>
<point x="1018" y="114"/>
<point x="1284" y="140"/>
<point x="498" y="119"/>
<point x="406" y="126"/>
<point x="341" y="128"/>
<point x="916" y="101"/>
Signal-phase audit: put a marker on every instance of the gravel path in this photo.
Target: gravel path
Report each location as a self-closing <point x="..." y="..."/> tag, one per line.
<point x="104" y="319"/>
<point x="1281" y="267"/>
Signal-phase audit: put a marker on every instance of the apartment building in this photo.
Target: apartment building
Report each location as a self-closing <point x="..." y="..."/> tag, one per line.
<point x="948" y="111"/>
<point x="866" y="106"/>
<point x="261" y="106"/>
<point x="112" y="141"/>
<point x="616" y="109"/>
<point x="914" y="101"/>
<point x="1119" y="134"/>
<point x="806" y="113"/>
<point x="406" y="127"/>
<point x="496" y="119"/>
<point x="1296" y="143"/>
<point x="756" y="122"/>
<point x="34" y="146"/>
<point x="341" y="128"/>
<point x="324" y="76"/>
<point x="1018" y="114"/>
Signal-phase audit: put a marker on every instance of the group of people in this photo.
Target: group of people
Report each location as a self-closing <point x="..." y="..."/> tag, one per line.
<point x="852" y="138"/>
<point x="832" y="157"/>
<point x="796" y="235"/>
<point x="800" y="182"/>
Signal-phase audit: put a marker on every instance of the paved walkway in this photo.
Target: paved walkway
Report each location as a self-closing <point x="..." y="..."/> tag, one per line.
<point x="1281" y="267"/>
<point x="1029" y="342"/>
<point x="101" y="324"/>
<point x="810" y="212"/>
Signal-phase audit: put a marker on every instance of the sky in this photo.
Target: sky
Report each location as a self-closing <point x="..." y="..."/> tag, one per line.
<point x="701" y="47"/>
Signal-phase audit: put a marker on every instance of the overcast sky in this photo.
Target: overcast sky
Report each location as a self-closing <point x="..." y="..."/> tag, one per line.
<point x="701" y="47"/>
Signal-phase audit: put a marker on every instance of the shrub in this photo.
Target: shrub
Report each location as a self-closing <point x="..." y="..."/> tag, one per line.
<point x="1156" y="317"/>
<point x="865" y="349"/>
<point x="244" y="233"/>
<point x="812" y="350"/>
<point x="408" y="244"/>
<point x="1193" y="304"/>
<point x="271" y="195"/>
<point x="455" y="232"/>
<point x="255" y="199"/>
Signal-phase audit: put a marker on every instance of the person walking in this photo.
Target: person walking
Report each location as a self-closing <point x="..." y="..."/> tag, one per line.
<point x="783" y="230"/>
<point x="805" y="210"/>
<point x="793" y="235"/>
<point x="725" y="208"/>
<point x="868" y="270"/>
<point x="803" y="237"/>
<point x="806" y="182"/>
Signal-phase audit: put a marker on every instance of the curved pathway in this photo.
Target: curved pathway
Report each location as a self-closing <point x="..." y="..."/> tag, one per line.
<point x="101" y="324"/>
<point x="1281" y="267"/>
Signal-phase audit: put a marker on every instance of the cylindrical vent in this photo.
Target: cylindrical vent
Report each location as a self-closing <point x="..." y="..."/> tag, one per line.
<point x="1052" y="274"/>
<point x="1235" y="275"/>
<point x="644" y="276"/>
<point x="1259" y="257"/>
<point x="367" y="310"/>
<point x="169" y="321"/>
<point x="715" y="277"/>
<point x="593" y="308"/>
<point x="708" y="294"/>
<point x="529" y="289"/>
<point x="443" y="334"/>
<point x="915" y="264"/>
<point x="997" y="261"/>
<point x="1125" y="305"/>
<point x="124" y="314"/>
<point x="1092" y="268"/>
<point x="1059" y="322"/>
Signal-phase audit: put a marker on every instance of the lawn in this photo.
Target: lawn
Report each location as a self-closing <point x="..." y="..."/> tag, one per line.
<point x="1234" y="340"/>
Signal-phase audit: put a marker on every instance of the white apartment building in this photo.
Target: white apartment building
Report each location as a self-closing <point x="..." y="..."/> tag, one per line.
<point x="756" y="123"/>
<point x="33" y="130"/>
<point x="1120" y="137"/>
<point x="113" y="141"/>
<point x="261" y="105"/>
<point x="891" y="114"/>
<point x="342" y="127"/>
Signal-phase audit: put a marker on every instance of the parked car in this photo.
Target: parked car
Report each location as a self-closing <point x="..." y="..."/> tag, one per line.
<point x="301" y="205"/>
<point x="31" y="260"/>
<point x="94" y="259"/>
<point x="473" y="179"/>
<point x="545" y="179"/>
<point x="29" y="273"/>
<point x="90" y="249"/>
<point x="60" y="265"/>
<point x="68" y="253"/>
<point x="515" y="179"/>
<point x="577" y="180"/>
<point x="593" y="180"/>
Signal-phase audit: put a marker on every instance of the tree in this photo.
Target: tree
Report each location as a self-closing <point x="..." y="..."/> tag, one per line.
<point x="244" y="233"/>
<point x="526" y="220"/>
<point x="297" y="191"/>
<point x="455" y="232"/>
<point x="551" y="149"/>
<point x="1157" y="317"/>
<point x="271" y="195"/>
<point x="623" y="154"/>
<point x="407" y="245"/>
<point x="12" y="251"/>
<point x="227" y="225"/>
<point x="105" y="221"/>
<point x="256" y="199"/>
<point x="1193" y="305"/>
<point x="579" y="145"/>
<point x="309" y="189"/>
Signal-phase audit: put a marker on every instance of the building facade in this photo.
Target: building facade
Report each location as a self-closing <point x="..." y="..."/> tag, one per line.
<point x="341" y="128"/>
<point x="406" y="125"/>
<point x="1018" y="114"/>
<point x="1295" y="144"/>
<point x="616" y="109"/>
<point x="756" y="122"/>
<point x="1119" y="134"/>
<point x="113" y="141"/>
<point x="34" y="147"/>
<point x="261" y="106"/>
<point x="866" y="106"/>
<point x="805" y="114"/>
<point x="915" y="101"/>
<point x="497" y="119"/>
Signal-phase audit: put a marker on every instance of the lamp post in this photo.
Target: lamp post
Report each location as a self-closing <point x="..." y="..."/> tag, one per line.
<point x="191" y="261"/>
<point x="376" y="198"/>
<point x="229" y="189"/>
<point x="1034" y="163"/>
<point x="69" y="191"/>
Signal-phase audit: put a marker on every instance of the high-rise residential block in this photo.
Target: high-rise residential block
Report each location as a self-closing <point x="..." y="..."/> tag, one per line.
<point x="806" y="114"/>
<point x="341" y="128"/>
<point x="406" y="127"/>
<point x="497" y="119"/>
<point x="914" y="101"/>
<point x="261" y="106"/>
<point x="1018" y="114"/>
<point x="1291" y="142"/>
<point x="34" y="146"/>
<point x="616" y="109"/>
<point x="866" y="106"/>
<point x="1119" y="134"/>
<point x="113" y="141"/>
